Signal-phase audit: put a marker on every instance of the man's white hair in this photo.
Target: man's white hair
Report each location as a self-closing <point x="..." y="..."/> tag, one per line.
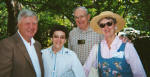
<point x="26" y="13"/>
<point x="80" y="7"/>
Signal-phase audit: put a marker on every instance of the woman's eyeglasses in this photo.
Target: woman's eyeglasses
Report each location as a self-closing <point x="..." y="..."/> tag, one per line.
<point x="102" y="25"/>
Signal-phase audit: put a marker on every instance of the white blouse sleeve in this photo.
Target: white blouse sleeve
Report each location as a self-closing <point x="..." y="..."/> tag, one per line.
<point x="91" y="59"/>
<point x="133" y="59"/>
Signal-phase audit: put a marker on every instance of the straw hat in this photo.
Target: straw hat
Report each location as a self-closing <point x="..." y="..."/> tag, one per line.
<point x="94" y="22"/>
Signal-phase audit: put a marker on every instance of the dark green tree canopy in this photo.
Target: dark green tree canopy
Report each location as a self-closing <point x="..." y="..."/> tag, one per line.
<point x="51" y="12"/>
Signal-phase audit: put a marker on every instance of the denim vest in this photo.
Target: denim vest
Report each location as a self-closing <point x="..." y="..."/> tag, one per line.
<point x="115" y="66"/>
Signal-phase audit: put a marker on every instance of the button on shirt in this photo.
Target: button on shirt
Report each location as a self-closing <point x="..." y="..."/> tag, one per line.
<point x="33" y="55"/>
<point x="90" y="38"/>
<point x="62" y="64"/>
<point x="131" y="56"/>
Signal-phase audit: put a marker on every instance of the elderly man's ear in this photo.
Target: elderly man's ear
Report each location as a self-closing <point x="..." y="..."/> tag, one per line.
<point x="89" y="16"/>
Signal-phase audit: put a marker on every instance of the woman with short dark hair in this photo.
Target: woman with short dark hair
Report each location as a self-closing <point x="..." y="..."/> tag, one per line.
<point x="58" y="60"/>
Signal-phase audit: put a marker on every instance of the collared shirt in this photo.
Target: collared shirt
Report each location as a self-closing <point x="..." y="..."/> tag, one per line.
<point x="88" y="37"/>
<point x="33" y="55"/>
<point x="131" y="56"/>
<point x="62" y="64"/>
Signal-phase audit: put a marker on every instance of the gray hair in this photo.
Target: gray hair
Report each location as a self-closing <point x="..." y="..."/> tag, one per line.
<point x="26" y="13"/>
<point x="80" y="7"/>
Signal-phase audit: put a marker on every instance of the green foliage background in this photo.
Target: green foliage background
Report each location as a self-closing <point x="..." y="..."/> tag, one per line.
<point x="52" y="12"/>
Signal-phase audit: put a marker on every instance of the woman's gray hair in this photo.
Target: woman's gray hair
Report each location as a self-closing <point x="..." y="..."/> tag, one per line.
<point x="26" y="13"/>
<point x="81" y="7"/>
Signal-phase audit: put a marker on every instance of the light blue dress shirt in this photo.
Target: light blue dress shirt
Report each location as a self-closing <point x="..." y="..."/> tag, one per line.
<point x="33" y="55"/>
<point x="62" y="64"/>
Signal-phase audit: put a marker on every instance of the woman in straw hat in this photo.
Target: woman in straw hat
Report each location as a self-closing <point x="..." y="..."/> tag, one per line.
<point x="113" y="57"/>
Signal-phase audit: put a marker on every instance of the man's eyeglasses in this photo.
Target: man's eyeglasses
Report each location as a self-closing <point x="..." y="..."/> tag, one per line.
<point x="81" y="16"/>
<point x="102" y="25"/>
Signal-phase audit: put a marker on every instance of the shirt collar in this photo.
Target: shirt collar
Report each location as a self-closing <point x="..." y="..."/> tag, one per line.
<point x="32" y="39"/>
<point x="116" y="42"/>
<point x="59" y="52"/>
<point x="88" y="30"/>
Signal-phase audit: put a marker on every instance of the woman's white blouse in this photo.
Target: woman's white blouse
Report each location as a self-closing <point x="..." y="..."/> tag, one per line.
<point x="131" y="56"/>
<point x="64" y="63"/>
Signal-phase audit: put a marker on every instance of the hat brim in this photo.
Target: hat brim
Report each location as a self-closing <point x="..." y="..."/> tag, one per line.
<point x="94" y="22"/>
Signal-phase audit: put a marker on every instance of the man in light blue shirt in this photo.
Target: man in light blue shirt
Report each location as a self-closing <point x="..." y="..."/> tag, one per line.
<point x="58" y="60"/>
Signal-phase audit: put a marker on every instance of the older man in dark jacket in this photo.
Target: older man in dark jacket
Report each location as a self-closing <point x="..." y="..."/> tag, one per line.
<point x="20" y="54"/>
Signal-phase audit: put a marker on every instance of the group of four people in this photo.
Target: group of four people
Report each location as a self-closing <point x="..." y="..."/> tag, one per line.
<point x="21" y="55"/>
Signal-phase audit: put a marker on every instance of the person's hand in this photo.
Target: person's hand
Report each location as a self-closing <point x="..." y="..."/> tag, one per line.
<point x="124" y="39"/>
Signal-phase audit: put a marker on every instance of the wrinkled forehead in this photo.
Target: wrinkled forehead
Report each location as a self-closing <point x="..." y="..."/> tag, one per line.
<point x="28" y="19"/>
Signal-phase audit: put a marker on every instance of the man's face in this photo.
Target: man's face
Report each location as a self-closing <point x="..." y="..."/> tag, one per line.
<point x="28" y="27"/>
<point x="81" y="18"/>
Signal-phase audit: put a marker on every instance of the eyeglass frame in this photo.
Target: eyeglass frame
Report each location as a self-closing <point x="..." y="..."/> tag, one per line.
<point x="102" y="25"/>
<point x="81" y="16"/>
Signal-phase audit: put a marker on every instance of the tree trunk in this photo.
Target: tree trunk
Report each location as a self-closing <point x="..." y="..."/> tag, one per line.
<point x="12" y="8"/>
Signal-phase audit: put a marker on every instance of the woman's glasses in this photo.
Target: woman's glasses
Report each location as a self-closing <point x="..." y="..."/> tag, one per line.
<point x="102" y="25"/>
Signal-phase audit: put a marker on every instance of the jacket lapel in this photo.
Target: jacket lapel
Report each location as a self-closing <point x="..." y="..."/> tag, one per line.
<point x="22" y="48"/>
